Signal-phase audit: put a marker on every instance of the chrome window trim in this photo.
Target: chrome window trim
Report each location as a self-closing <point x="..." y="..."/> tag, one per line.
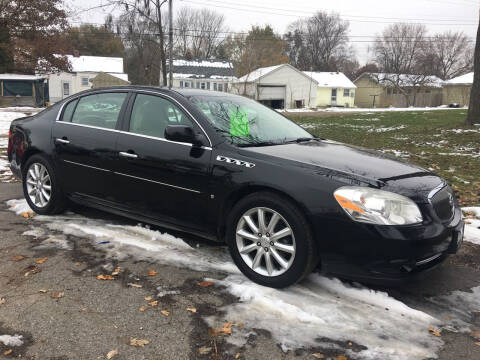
<point x="127" y="132"/>
<point x="158" y="182"/>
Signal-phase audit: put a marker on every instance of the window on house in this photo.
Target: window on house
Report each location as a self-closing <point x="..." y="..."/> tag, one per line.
<point x="226" y="87"/>
<point x="198" y="84"/>
<point x="66" y="89"/>
<point x="181" y="83"/>
<point x="215" y="86"/>
<point x="208" y="85"/>
<point x="299" y="104"/>
<point x="84" y="81"/>
<point x="202" y="86"/>
<point x="220" y="87"/>
<point x="352" y="94"/>
<point x="346" y="92"/>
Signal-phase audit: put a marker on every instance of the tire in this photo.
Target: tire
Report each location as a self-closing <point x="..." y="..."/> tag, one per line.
<point x="43" y="205"/>
<point x="296" y="265"/>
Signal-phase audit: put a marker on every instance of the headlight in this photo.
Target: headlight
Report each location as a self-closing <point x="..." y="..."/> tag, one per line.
<point x="377" y="206"/>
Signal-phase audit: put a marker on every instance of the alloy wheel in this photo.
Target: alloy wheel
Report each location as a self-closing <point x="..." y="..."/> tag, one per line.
<point x="39" y="185"/>
<point x="265" y="241"/>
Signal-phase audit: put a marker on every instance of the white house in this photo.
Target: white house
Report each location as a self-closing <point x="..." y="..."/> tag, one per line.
<point x="207" y="74"/>
<point x="84" y="69"/>
<point x="280" y="87"/>
<point x="457" y="90"/>
<point x="334" y="89"/>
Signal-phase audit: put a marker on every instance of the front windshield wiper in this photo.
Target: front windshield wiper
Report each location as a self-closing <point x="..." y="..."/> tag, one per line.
<point x="300" y="140"/>
<point x="260" y="143"/>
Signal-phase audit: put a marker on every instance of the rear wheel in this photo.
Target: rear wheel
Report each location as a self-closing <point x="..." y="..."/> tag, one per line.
<point x="41" y="187"/>
<point x="270" y="240"/>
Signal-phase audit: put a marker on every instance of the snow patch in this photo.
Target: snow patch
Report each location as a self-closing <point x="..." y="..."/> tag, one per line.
<point x="19" y="206"/>
<point x="8" y="340"/>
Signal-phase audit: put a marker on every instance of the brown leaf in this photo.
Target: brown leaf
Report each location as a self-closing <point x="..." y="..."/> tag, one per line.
<point x="341" y="357"/>
<point x="139" y="342"/>
<point x="105" y="277"/>
<point x="78" y="264"/>
<point x="477" y="343"/>
<point x="204" y="350"/>
<point x="318" y="356"/>
<point x="237" y="356"/>
<point x="2" y="301"/>
<point x="193" y="310"/>
<point x="475" y="334"/>
<point x="42" y="260"/>
<point x="240" y="324"/>
<point x="434" y="332"/>
<point x="43" y="291"/>
<point x="7" y="352"/>
<point x="152" y="273"/>
<point x="57" y="295"/>
<point x="32" y="270"/>
<point x="135" y="285"/>
<point x="18" y="258"/>
<point x="27" y="214"/>
<point x="225" y="330"/>
<point x="153" y="303"/>
<point x="116" y="271"/>
<point x="112" y="353"/>
<point x="148" y="298"/>
<point x="205" y="283"/>
<point x="143" y="308"/>
<point x="165" y="312"/>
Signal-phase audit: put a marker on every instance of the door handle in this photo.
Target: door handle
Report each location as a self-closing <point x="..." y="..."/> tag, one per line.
<point x="128" y="155"/>
<point x="62" y="141"/>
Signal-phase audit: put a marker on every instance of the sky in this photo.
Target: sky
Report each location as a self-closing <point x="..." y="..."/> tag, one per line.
<point x="367" y="17"/>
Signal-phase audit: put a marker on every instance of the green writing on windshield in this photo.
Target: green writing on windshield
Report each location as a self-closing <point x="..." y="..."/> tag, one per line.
<point x="239" y="122"/>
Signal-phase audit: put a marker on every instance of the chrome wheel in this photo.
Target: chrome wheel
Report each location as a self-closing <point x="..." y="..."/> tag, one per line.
<point x="39" y="185"/>
<point x="265" y="241"/>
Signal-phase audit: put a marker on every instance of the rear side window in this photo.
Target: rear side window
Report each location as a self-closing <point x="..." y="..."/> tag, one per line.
<point x="68" y="112"/>
<point x="152" y="114"/>
<point x="99" y="110"/>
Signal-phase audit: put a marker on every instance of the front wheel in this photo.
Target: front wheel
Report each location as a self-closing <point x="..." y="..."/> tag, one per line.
<point x="41" y="187"/>
<point x="270" y="240"/>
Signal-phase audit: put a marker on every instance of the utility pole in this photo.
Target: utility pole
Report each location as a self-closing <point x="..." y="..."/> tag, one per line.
<point x="170" y="45"/>
<point x="162" y="81"/>
<point x="473" y="116"/>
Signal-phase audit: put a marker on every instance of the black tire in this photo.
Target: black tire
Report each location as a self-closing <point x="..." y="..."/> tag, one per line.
<point x="57" y="202"/>
<point x="306" y="254"/>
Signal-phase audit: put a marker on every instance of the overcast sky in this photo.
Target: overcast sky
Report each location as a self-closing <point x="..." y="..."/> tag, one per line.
<point x="367" y="17"/>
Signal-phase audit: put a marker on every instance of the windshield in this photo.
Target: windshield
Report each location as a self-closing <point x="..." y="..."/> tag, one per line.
<point x="247" y="123"/>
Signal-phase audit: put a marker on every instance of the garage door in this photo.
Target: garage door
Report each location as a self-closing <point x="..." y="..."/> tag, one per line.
<point x="266" y="92"/>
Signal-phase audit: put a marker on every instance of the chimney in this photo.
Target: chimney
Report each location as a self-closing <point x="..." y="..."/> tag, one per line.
<point x="76" y="53"/>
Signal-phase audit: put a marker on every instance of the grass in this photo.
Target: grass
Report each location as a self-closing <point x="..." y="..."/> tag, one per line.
<point x="422" y="137"/>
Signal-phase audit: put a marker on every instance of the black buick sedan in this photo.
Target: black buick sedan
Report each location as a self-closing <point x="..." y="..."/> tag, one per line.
<point x="226" y="168"/>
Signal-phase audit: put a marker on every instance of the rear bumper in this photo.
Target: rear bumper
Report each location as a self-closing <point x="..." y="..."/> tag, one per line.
<point x="16" y="169"/>
<point x="387" y="254"/>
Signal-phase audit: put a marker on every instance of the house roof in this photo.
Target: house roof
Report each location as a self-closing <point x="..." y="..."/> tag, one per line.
<point x="20" y="77"/>
<point x="202" y="68"/>
<point x="261" y="72"/>
<point x="122" y="76"/>
<point x="466" y="79"/>
<point x="404" y="80"/>
<point x="331" y="79"/>
<point x="96" y="64"/>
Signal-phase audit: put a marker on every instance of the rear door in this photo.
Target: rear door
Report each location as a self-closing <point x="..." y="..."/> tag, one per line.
<point x="159" y="178"/>
<point x="85" y="136"/>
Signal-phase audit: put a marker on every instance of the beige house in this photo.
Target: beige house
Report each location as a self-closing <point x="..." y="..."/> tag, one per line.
<point x="279" y="87"/>
<point x="457" y="90"/>
<point x="104" y="79"/>
<point x="391" y="90"/>
<point x="334" y="89"/>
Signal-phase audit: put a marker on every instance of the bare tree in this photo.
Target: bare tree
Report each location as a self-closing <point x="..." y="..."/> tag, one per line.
<point x="473" y="116"/>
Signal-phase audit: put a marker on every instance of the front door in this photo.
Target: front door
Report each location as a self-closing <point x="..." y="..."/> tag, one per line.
<point x="334" y="97"/>
<point x="162" y="179"/>
<point x="84" y="139"/>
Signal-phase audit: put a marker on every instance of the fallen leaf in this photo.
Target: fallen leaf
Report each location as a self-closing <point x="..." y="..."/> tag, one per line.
<point x="204" y="350"/>
<point x="116" y="271"/>
<point x="205" y="283"/>
<point x="57" y="295"/>
<point x="237" y="355"/>
<point x="193" y="310"/>
<point x="32" y="270"/>
<point x="434" y="332"/>
<point x="112" y="353"/>
<point x="105" y="277"/>
<point x="148" y="298"/>
<point x="27" y="214"/>
<point x="43" y="291"/>
<point x="138" y="342"/>
<point x="165" y="312"/>
<point x="318" y="356"/>
<point x="7" y="352"/>
<point x="477" y="343"/>
<point x="2" y="301"/>
<point x="225" y="330"/>
<point x="240" y="324"/>
<point x="152" y="273"/>
<point x="475" y="334"/>
<point x="349" y="343"/>
<point x="143" y="308"/>
<point x="135" y="285"/>
<point x="42" y="260"/>
<point x="18" y="258"/>
<point x="153" y="303"/>
<point x="78" y="264"/>
<point x="341" y="357"/>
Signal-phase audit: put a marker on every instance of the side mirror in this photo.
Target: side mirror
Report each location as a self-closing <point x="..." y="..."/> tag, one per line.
<point x="183" y="133"/>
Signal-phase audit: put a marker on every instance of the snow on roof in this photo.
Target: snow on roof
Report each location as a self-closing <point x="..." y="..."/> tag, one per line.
<point x="20" y="77"/>
<point x="331" y="79"/>
<point x="122" y="76"/>
<point x="257" y="74"/>
<point x="406" y="79"/>
<point x="466" y="79"/>
<point x="96" y="64"/>
<point x="203" y="63"/>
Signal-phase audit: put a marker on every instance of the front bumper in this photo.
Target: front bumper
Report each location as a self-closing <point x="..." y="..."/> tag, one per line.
<point x="391" y="254"/>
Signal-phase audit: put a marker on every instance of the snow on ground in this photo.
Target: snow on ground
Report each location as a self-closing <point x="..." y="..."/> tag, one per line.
<point x="472" y="226"/>
<point x="318" y="312"/>
<point x="366" y="110"/>
<point x="9" y="340"/>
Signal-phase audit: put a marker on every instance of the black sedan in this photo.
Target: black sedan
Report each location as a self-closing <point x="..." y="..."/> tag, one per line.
<point x="226" y="168"/>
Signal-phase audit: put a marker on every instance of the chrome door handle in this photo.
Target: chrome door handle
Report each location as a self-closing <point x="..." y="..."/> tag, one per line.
<point x="128" y="155"/>
<point x="62" y="141"/>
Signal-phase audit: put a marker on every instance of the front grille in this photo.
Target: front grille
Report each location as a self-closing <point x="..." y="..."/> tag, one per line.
<point x="443" y="203"/>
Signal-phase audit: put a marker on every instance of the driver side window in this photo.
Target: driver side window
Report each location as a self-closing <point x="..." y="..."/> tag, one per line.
<point x="152" y="114"/>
